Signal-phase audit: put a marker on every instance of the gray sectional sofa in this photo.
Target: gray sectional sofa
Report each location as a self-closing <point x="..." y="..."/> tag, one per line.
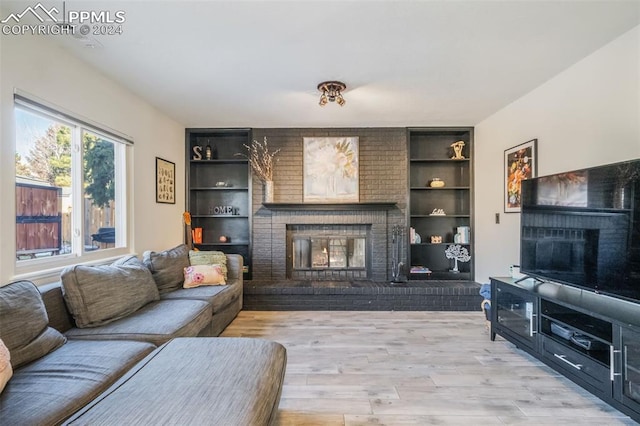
<point x="91" y="349"/>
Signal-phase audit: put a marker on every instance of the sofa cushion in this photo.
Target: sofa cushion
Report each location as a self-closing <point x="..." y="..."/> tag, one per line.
<point x="49" y="390"/>
<point x="98" y="295"/>
<point x="219" y="381"/>
<point x="156" y="323"/>
<point x="24" y="323"/>
<point x="5" y="365"/>
<point x="219" y="297"/>
<point x="209" y="258"/>
<point x="167" y="267"/>
<point x="197" y="275"/>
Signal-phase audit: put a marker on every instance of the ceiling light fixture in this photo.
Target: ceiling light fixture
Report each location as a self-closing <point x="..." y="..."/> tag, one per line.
<point x="332" y="92"/>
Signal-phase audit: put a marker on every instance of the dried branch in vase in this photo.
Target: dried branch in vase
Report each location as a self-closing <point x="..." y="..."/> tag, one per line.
<point x="260" y="159"/>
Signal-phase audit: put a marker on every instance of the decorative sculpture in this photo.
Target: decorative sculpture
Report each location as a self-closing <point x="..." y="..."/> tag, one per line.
<point x="457" y="150"/>
<point x="457" y="253"/>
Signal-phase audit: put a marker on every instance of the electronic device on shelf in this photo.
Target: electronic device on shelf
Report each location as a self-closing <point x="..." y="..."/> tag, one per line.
<point x="582" y="228"/>
<point x="588" y="343"/>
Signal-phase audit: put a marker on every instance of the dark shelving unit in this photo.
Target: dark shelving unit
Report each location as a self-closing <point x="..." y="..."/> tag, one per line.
<point x="217" y="183"/>
<point x="430" y="155"/>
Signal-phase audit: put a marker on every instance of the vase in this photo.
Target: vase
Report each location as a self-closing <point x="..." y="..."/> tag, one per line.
<point x="619" y="197"/>
<point x="267" y="191"/>
<point x="436" y="183"/>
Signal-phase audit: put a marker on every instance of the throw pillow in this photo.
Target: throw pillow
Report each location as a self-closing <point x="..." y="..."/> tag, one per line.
<point x="197" y="275"/>
<point x="25" y="324"/>
<point x="209" y="258"/>
<point x="167" y="267"/>
<point x="98" y="295"/>
<point x="5" y="365"/>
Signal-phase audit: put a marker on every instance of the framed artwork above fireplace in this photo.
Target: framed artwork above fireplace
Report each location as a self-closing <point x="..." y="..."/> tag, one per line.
<point x="331" y="170"/>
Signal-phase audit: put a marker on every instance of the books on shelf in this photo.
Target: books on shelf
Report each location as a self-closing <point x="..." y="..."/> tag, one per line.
<point x="414" y="237"/>
<point x="420" y="270"/>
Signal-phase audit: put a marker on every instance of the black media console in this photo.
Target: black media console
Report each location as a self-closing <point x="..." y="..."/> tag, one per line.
<point x="590" y="338"/>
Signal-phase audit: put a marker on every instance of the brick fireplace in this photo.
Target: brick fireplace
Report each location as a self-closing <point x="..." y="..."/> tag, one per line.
<point x="372" y="225"/>
<point x="383" y="181"/>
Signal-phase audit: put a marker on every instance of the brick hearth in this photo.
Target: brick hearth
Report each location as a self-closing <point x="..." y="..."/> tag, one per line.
<point x="361" y="296"/>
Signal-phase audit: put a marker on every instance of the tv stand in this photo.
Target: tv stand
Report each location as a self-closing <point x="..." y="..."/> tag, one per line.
<point x="526" y="277"/>
<point x="590" y="338"/>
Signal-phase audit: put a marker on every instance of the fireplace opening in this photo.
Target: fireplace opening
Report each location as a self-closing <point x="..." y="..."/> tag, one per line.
<point x="331" y="252"/>
<point x="328" y="252"/>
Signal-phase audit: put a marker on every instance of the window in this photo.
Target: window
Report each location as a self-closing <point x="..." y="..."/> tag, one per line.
<point x="70" y="186"/>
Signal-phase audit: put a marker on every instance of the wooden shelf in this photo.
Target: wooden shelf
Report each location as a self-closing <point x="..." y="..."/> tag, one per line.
<point x="219" y="188"/>
<point x="438" y="160"/>
<point x="330" y="206"/>
<point x="440" y="244"/>
<point x="444" y="188"/>
<point x="220" y="216"/>
<point x="241" y="243"/>
<point x="432" y="216"/>
<point x="220" y="161"/>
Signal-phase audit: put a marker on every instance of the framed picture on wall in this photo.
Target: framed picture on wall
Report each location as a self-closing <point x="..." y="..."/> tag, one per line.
<point x="331" y="170"/>
<point x="520" y="163"/>
<point x="165" y="181"/>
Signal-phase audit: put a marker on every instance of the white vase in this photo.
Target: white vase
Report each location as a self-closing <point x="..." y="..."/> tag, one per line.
<point x="267" y="191"/>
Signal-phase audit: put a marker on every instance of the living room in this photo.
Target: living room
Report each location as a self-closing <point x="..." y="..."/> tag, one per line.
<point x="560" y="112"/>
<point x="579" y="98"/>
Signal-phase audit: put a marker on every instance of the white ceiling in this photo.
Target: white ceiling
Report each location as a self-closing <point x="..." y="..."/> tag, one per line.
<point x="257" y="63"/>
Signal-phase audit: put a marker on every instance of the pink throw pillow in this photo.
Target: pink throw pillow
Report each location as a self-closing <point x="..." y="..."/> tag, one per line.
<point x="5" y="365"/>
<point x="197" y="275"/>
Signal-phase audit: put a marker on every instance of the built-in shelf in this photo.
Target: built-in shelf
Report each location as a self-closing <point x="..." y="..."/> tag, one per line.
<point x="221" y="216"/>
<point x="330" y="206"/>
<point x="430" y="152"/>
<point x="220" y="161"/>
<point x="239" y="243"/>
<point x="438" y="160"/>
<point x="431" y="216"/>
<point x="218" y="191"/>
<point x="443" y="188"/>
<point x="219" y="188"/>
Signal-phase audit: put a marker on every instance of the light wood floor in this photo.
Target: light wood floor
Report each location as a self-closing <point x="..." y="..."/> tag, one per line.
<point x="414" y="368"/>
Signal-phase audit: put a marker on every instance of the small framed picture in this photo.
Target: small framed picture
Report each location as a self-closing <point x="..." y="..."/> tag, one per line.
<point x="520" y="163"/>
<point x="165" y="181"/>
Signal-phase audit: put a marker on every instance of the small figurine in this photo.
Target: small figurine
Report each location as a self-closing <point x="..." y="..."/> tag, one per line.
<point x="457" y="150"/>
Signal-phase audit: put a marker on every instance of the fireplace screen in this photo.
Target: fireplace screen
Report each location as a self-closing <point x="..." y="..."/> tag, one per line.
<point x="328" y="252"/>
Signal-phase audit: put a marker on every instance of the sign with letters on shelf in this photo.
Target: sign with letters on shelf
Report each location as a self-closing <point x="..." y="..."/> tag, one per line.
<point x="197" y="152"/>
<point x="223" y="210"/>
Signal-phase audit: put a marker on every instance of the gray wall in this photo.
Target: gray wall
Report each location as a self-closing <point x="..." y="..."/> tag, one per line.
<point x="383" y="178"/>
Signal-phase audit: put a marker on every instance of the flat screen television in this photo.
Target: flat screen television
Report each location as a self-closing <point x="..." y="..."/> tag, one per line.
<point x="582" y="228"/>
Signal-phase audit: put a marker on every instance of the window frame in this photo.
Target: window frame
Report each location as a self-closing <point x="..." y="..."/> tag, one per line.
<point x="51" y="265"/>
